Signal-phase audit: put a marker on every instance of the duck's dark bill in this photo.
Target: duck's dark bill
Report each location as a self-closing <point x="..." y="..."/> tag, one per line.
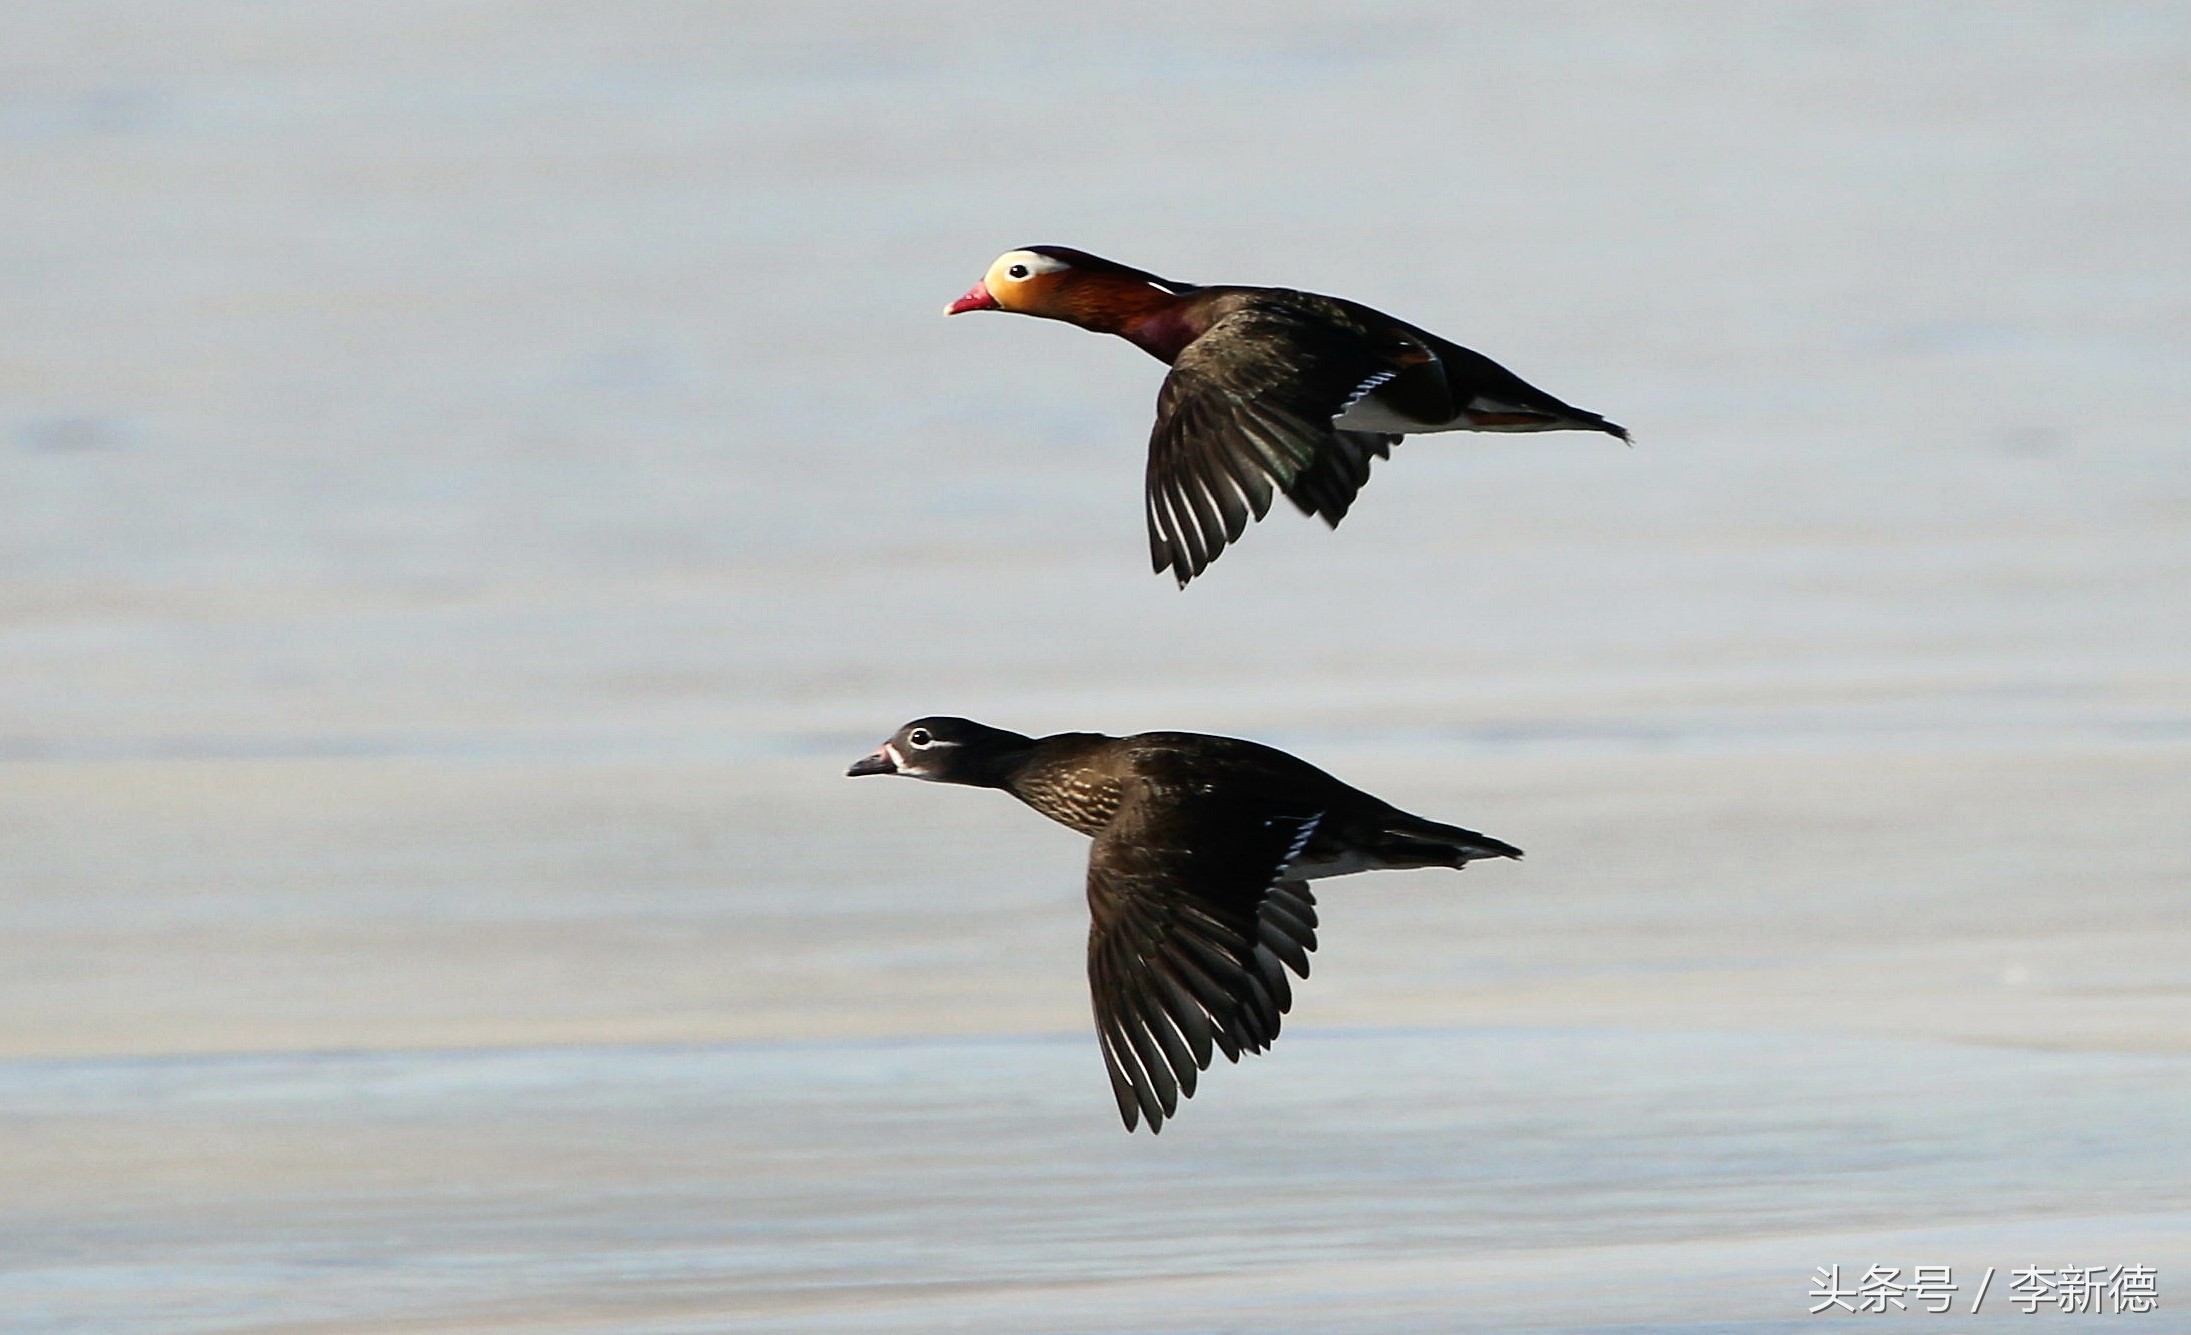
<point x="878" y="763"/>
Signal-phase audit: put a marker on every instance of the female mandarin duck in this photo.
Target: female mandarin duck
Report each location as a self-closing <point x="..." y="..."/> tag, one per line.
<point x="1270" y="388"/>
<point x="1198" y="879"/>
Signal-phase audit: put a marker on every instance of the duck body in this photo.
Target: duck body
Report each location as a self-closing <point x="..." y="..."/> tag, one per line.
<point x="1271" y="389"/>
<point x="1454" y="389"/>
<point x="1082" y="780"/>
<point x="1197" y="886"/>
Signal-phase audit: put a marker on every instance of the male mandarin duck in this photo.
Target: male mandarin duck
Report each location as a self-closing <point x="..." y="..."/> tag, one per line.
<point x="1198" y="894"/>
<point x="1269" y="388"/>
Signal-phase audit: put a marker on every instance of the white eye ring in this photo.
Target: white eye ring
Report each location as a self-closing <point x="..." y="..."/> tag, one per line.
<point x="919" y="737"/>
<point x="1017" y="271"/>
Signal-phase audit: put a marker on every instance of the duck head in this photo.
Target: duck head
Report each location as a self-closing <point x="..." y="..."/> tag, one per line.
<point x="1060" y="283"/>
<point x="946" y="750"/>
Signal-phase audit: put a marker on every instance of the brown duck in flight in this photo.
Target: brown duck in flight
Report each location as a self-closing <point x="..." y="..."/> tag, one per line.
<point x="1270" y="389"/>
<point x="1198" y="895"/>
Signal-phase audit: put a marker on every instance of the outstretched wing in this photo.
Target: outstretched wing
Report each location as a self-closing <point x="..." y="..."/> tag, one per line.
<point x="1192" y="929"/>
<point x="1247" y="410"/>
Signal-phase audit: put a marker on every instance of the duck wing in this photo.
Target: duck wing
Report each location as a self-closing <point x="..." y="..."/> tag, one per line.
<point x="1247" y="412"/>
<point x="1192" y="927"/>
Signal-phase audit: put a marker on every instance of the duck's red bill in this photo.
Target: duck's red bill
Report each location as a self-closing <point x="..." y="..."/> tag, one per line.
<point x="977" y="298"/>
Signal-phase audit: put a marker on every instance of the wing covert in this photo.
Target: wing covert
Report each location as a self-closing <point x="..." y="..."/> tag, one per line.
<point x="1247" y="411"/>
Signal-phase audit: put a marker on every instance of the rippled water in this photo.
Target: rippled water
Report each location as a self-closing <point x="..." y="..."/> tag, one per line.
<point x="935" y="1184"/>
<point x="471" y="478"/>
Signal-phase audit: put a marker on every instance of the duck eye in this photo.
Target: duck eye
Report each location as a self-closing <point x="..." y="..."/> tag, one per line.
<point x="919" y="737"/>
<point x="1017" y="271"/>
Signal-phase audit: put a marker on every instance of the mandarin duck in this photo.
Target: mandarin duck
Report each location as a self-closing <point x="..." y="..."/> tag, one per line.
<point x="1270" y="389"/>
<point x="1198" y="879"/>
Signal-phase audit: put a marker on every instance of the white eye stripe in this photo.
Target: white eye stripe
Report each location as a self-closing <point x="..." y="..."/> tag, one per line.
<point x="1012" y="264"/>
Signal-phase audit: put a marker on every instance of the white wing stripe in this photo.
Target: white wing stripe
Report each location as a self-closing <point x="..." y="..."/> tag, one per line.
<point x="1362" y="390"/>
<point x="1300" y="841"/>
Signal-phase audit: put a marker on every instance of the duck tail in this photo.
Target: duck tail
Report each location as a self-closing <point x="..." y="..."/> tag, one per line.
<point x="1427" y="843"/>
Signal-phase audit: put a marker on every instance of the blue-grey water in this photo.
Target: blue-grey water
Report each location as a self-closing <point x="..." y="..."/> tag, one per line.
<point x="953" y="1184"/>
<point x="472" y="475"/>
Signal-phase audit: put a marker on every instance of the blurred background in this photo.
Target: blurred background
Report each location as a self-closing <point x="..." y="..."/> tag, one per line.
<point x="473" y="473"/>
